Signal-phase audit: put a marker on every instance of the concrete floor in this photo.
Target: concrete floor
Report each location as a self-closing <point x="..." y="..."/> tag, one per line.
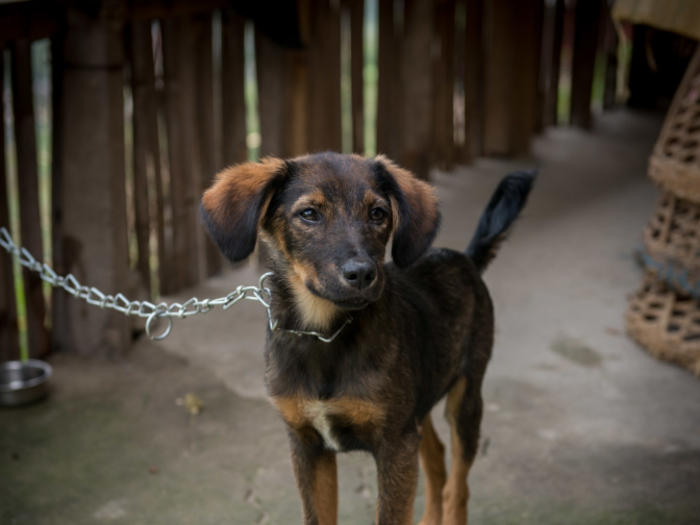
<point x="581" y="426"/>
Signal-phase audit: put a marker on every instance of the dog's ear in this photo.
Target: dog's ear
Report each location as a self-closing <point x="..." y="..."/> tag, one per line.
<point x="234" y="206"/>
<point x="415" y="214"/>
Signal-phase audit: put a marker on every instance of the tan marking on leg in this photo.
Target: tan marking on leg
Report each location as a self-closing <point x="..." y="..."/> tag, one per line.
<point x="456" y="492"/>
<point x="291" y="409"/>
<point x="325" y="489"/>
<point x="432" y="460"/>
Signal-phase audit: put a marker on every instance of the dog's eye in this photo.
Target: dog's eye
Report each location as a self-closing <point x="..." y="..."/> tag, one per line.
<point x="377" y="215"/>
<point x="309" y="214"/>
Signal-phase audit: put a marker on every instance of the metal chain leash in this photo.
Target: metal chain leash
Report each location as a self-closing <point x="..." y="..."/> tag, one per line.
<point x="148" y="310"/>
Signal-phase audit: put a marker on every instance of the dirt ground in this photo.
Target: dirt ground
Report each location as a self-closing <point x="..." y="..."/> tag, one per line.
<point x="581" y="426"/>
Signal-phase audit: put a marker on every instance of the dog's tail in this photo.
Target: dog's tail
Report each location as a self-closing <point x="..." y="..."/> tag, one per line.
<point x="503" y="208"/>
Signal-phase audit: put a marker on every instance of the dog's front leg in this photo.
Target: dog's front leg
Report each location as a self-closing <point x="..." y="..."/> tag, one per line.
<point x="316" y="472"/>
<point x="397" y="477"/>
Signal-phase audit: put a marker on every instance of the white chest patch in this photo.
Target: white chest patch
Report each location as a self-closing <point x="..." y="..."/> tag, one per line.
<point x="317" y="412"/>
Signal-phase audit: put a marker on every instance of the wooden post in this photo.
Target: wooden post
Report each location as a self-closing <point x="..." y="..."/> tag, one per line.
<point x="9" y="343"/>
<point x="389" y="88"/>
<point x="140" y="50"/>
<point x="324" y="77"/>
<point x="585" y="48"/>
<point x="498" y="78"/>
<point x="28" y="184"/>
<point x="296" y="119"/>
<point x="185" y="181"/>
<point x="357" y="66"/>
<point x="60" y="326"/>
<point x="527" y="47"/>
<point x="271" y="67"/>
<point x="232" y="80"/>
<point x="444" y="78"/>
<point x="551" y="95"/>
<point x="417" y="78"/>
<point x="204" y="86"/>
<point x="282" y="95"/>
<point x="513" y="48"/>
<point x="610" y="44"/>
<point x="147" y="151"/>
<point x="540" y="63"/>
<point x="92" y="193"/>
<point x="473" y="67"/>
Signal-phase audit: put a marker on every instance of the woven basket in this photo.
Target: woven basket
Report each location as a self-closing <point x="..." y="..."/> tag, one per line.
<point x="675" y="163"/>
<point x="665" y="323"/>
<point x="672" y="243"/>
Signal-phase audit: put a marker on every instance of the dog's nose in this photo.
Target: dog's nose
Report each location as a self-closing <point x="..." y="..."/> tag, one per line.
<point x="359" y="274"/>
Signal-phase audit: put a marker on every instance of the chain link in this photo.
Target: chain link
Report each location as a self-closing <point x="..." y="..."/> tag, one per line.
<point x="146" y="309"/>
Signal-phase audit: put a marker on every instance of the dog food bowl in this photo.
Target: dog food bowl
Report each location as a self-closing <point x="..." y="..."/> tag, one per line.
<point x="23" y="381"/>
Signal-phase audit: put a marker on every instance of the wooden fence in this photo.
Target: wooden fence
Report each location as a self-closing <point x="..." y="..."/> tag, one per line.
<point x="456" y="79"/>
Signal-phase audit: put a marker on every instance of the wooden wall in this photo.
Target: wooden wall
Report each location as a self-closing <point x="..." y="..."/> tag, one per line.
<point x="457" y="79"/>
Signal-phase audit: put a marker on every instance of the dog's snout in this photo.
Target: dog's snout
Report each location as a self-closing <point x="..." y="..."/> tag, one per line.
<point x="359" y="274"/>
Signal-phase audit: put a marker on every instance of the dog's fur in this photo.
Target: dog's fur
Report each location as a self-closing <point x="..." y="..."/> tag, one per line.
<point x="422" y="325"/>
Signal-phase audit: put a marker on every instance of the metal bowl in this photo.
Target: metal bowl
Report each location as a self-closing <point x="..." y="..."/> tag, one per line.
<point x="23" y="381"/>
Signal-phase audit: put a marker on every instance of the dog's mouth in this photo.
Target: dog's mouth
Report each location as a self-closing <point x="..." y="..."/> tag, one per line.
<point x="351" y="304"/>
<point x="342" y="301"/>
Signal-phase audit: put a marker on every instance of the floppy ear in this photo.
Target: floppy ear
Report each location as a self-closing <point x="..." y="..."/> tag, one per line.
<point x="233" y="207"/>
<point x="414" y="208"/>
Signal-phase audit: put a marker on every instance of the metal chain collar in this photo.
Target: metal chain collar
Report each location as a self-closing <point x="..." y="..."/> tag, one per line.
<point x="148" y="310"/>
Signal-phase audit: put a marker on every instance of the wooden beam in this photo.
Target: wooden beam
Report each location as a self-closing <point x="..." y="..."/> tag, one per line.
<point x="9" y="342"/>
<point x="92" y="190"/>
<point x="185" y="181"/>
<point x="444" y="80"/>
<point x="151" y="9"/>
<point x="28" y="184"/>
<point x="232" y="80"/>
<point x="204" y="87"/>
<point x="551" y="95"/>
<point x="417" y="78"/>
<point x="30" y="20"/>
<point x="324" y="77"/>
<point x="583" y="66"/>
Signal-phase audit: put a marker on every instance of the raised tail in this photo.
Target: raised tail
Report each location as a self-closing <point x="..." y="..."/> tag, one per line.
<point x="503" y="208"/>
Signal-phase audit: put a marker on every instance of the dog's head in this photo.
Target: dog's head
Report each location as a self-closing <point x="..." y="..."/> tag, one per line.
<point x="327" y="219"/>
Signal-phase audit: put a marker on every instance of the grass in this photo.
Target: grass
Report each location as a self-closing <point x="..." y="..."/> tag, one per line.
<point x="42" y="117"/>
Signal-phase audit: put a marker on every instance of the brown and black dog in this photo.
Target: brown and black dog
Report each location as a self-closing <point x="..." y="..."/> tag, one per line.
<point x="422" y="325"/>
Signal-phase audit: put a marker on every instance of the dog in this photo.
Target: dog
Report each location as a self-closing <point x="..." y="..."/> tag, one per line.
<point x="408" y="332"/>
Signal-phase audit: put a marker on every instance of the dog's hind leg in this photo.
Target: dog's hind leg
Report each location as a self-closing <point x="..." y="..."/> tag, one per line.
<point x="463" y="411"/>
<point x="432" y="460"/>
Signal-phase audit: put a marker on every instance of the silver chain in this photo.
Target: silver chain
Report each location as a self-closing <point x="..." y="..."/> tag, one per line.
<point x="148" y="310"/>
